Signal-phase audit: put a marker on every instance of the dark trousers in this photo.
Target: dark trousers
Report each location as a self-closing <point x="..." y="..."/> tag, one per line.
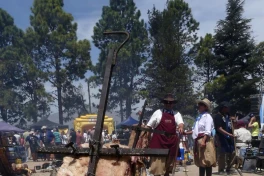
<point x="207" y="170"/>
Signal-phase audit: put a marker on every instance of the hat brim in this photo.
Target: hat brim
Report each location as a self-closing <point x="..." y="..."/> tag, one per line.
<point x="205" y="103"/>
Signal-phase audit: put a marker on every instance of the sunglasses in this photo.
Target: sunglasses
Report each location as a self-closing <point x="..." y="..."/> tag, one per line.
<point x="168" y="102"/>
<point x="201" y="104"/>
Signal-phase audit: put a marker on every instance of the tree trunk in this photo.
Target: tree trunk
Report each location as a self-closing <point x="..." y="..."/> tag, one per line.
<point x="58" y="85"/>
<point x="3" y="114"/>
<point x="89" y="97"/>
<point x="60" y="105"/>
<point x="121" y="110"/>
<point x="128" y="106"/>
<point x="129" y="98"/>
<point x="35" y="114"/>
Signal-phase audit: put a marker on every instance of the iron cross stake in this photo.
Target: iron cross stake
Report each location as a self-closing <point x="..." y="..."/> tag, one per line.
<point x="95" y="150"/>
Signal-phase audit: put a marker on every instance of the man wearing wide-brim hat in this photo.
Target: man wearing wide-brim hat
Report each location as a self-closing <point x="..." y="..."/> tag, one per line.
<point x="167" y="120"/>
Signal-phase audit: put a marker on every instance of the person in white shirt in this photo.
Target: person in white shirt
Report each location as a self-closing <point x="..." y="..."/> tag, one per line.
<point x="242" y="135"/>
<point x="17" y="137"/>
<point x="165" y="120"/>
<point x="85" y="136"/>
<point x="204" y="151"/>
<point x="64" y="138"/>
<point x="114" y="137"/>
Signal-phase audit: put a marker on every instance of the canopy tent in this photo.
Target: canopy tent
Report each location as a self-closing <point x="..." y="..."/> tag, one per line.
<point x="5" y="127"/>
<point x="129" y="122"/>
<point x="49" y="124"/>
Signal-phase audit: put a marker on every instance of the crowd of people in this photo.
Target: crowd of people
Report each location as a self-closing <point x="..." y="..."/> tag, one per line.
<point x="33" y="139"/>
<point x="215" y="136"/>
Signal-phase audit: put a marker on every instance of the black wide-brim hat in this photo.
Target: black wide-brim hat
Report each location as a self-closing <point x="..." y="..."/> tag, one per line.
<point x="169" y="99"/>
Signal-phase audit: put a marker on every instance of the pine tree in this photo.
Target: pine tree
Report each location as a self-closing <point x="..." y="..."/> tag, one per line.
<point x="172" y="33"/>
<point x="63" y="58"/>
<point x="37" y="103"/>
<point x="258" y="59"/>
<point x="122" y="15"/>
<point x="23" y="96"/>
<point x="10" y="68"/>
<point x="233" y="49"/>
<point x="204" y="59"/>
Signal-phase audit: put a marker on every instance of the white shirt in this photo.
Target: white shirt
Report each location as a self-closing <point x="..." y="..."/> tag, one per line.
<point x="85" y="136"/>
<point x="114" y="136"/>
<point x="64" y="139"/>
<point x="203" y="125"/>
<point x="156" y="118"/>
<point x="17" y="137"/>
<point x="243" y="135"/>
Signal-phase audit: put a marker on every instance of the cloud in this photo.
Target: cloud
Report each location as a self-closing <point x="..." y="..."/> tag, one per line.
<point x="208" y="12"/>
<point x="86" y="25"/>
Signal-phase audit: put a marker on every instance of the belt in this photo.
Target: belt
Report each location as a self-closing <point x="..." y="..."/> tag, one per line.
<point x="169" y="135"/>
<point x="200" y="135"/>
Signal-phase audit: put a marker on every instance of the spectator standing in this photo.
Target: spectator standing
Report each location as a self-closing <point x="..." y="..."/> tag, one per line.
<point x="33" y="143"/>
<point x="72" y="136"/>
<point x="37" y="133"/>
<point x="85" y="137"/>
<point x="26" y="144"/>
<point x="92" y="132"/>
<point x="204" y="151"/>
<point x="57" y="137"/>
<point x="22" y="140"/>
<point x="114" y="137"/>
<point x="17" y="136"/>
<point x="79" y="138"/>
<point x="47" y="139"/>
<point x="223" y="128"/>
<point x="254" y="125"/>
<point x="64" y="138"/>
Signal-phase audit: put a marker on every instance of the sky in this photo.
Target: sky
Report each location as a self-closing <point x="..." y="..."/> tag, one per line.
<point x="87" y="12"/>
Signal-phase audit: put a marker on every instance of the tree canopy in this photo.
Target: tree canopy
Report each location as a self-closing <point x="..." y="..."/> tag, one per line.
<point x="122" y="16"/>
<point x="172" y="32"/>
<point x="63" y="58"/>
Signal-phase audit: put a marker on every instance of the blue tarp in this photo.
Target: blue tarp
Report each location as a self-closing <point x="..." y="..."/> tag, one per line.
<point x="129" y="122"/>
<point x="5" y="127"/>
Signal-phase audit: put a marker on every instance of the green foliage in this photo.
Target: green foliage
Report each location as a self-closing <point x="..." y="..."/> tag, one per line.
<point x="73" y="101"/>
<point x="121" y="15"/>
<point x="204" y="59"/>
<point x="258" y="59"/>
<point x="233" y="49"/>
<point x="216" y="85"/>
<point x="172" y="33"/>
<point x="10" y="68"/>
<point x="23" y="95"/>
<point x="62" y="58"/>
<point x="37" y="99"/>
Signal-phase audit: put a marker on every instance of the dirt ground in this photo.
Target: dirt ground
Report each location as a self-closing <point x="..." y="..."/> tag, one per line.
<point x="192" y="171"/>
